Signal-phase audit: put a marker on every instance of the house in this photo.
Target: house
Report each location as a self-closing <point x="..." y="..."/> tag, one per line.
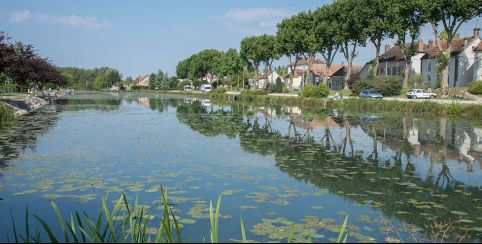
<point x="392" y="61"/>
<point x="297" y="79"/>
<point x="462" y="63"/>
<point x="477" y="62"/>
<point x="142" y="81"/>
<point x="335" y="75"/>
<point x="263" y="80"/>
<point x="304" y="64"/>
<point x="210" y="78"/>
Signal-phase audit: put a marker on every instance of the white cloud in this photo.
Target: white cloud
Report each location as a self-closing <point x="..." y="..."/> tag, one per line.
<point x="76" y="21"/>
<point x="253" y="21"/>
<point x="20" y="16"/>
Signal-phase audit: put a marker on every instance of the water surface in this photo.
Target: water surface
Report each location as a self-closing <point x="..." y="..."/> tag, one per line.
<point x="396" y="176"/>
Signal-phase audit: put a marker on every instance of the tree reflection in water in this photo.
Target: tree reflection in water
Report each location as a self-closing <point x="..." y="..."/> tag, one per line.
<point x="392" y="180"/>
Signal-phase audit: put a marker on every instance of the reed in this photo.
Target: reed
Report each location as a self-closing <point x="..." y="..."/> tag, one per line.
<point x="123" y="223"/>
<point x="6" y="113"/>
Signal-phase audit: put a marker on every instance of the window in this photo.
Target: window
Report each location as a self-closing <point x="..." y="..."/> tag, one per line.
<point x="394" y="71"/>
<point x="429" y="68"/>
<point x="429" y="78"/>
<point x="389" y="71"/>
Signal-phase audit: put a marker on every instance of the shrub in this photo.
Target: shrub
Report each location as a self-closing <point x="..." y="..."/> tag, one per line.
<point x="475" y="87"/>
<point x="387" y="86"/>
<point x="254" y="93"/>
<point x="360" y="85"/>
<point x="220" y="90"/>
<point x="315" y="91"/>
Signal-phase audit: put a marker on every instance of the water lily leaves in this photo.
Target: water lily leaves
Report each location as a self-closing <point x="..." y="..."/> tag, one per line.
<point x="231" y="192"/>
<point x="319" y="207"/>
<point x="201" y="211"/>
<point x="187" y="221"/>
<point x="247" y="207"/>
<point x="23" y="193"/>
<point x="460" y="213"/>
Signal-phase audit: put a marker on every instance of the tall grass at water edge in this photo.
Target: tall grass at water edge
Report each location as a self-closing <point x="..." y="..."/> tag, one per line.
<point x="133" y="227"/>
<point x="6" y="113"/>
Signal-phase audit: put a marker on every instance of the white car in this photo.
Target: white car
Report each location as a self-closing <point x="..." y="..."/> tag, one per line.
<point x="206" y="88"/>
<point x="420" y="93"/>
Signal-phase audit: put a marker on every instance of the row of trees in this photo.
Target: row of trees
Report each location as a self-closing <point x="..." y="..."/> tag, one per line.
<point x="345" y="25"/>
<point x="21" y="64"/>
<point x="341" y="28"/>
<point x="91" y="79"/>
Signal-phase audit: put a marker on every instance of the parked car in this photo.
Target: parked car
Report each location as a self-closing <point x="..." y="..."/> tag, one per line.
<point x="187" y="88"/>
<point x="206" y="88"/>
<point x="420" y="93"/>
<point x="370" y="94"/>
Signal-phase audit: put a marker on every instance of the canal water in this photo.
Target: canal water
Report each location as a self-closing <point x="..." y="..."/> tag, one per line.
<point x="397" y="176"/>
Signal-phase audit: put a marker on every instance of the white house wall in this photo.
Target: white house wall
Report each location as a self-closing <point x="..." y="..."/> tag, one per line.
<point x="477" y="66"/>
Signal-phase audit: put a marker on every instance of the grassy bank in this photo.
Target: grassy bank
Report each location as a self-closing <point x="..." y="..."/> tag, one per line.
<point x="359" y="105"/>
<point x="6" y="113"/>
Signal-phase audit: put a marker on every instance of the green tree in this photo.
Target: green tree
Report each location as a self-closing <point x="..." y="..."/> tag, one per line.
<point x="292" y="40"/>
<point x="100" y="82"/>
<point x="268" y="51"/>
<point x="450" y="15"/>
<point x="350" y="25"/>
<point x="231" y="64"/>
<point x="204" y="63"/>
<point x="324" y="29"/>
<point x="182" y="68"/>
<point x="250" y="53"/>
<point x="377" y="24"/>
<point x="406" y="21"/>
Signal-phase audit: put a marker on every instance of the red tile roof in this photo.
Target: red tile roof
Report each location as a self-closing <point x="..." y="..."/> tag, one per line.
<point x="458" y="45"/>
<point x="478" y="48"/>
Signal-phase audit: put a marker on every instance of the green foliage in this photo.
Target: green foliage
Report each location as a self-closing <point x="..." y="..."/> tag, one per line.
<point x="219" y="90"/>
<point x="198" y="83"/>
<point x="387" y="86"/>
<point x="85" y="78"/>
<point x="275" y="88"/>
<point x="99" y="83"/>
<point x="180" y="85"/>
<point x="254" y="93"/>
<point x="49" y="85"/>
<point x="442" y="62"/>
<point x="360" y="85"/>
<point x="475" y="87"/>
<point x="315" y="91"/>
<point x="6" y="113"/>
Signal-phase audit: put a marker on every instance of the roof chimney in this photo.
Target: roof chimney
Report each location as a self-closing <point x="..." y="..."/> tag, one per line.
<point x="476" y="32"/>
<point x="387" y="47"/>
<point x="420" y="45"/>
<point x="431" y="44"/>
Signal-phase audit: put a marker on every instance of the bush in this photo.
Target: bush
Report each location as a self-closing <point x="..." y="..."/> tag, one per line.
<point x="6" y="113"/>
<point x="254" y="93"/>
<point x="360" y="85"/>
<point x="219" y="90"/>
<point x="475" y="87"/>
<point x="315" y="91"/>
<point x="387" y="86"/>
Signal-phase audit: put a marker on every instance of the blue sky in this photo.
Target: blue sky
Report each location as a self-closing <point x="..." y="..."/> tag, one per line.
<point x="140" y="37"/>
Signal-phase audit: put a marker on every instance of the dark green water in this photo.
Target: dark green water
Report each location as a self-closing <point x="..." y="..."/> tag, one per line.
<point x="396" y="176"/>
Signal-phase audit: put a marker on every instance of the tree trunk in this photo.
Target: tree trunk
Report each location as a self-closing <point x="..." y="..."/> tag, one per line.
<point x="377" y="45"/>
<point x="327" y="72"/>
<point x="406" y="77"/>
<point x="445" y="72"/>
<point x="346" y="81"/>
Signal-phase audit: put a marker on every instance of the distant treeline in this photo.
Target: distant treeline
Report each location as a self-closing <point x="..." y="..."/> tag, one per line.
<point x="21" y="67"/>
<point x="91" y="79"/>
